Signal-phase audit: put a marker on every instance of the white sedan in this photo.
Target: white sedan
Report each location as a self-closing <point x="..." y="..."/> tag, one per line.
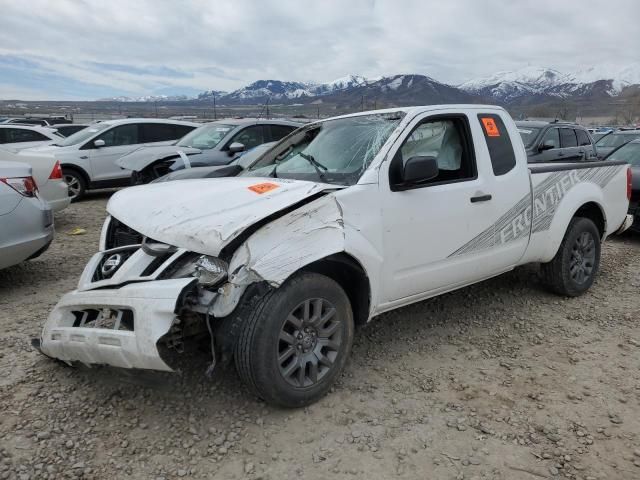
<point x="19" y="137"/>
<point x="47" y="175"/>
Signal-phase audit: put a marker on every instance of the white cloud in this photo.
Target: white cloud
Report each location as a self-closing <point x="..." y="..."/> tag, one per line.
<point x="227" y="44"/>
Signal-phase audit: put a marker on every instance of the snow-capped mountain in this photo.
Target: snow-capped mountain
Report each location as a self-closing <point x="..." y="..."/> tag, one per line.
<point x="210" y="94"/>
<point x="512" y="85"/>
<point x="343" y="83"/>
<point x="274" y="89"/>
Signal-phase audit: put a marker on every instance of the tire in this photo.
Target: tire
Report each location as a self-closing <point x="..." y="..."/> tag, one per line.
<point x="76" y="183"/>
<point x="575" y="265"/>
<point x="289" y="361"/>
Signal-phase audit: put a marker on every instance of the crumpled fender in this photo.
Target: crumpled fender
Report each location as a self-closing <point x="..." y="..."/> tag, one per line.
<point x="282" y="247"/>
<point x="310" y="233"/>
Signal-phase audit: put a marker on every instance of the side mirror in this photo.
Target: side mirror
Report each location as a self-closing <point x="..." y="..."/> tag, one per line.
<point x="98" y="143"/>
<point x="547" y="145"/>
<point x="236" y="147"/>
<point x="419" y="169"/>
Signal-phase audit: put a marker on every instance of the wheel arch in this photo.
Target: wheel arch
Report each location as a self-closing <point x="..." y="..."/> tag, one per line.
<point x="594" y="212"/>
<point x="347" y="271"/>
<point x="80" y="170"/>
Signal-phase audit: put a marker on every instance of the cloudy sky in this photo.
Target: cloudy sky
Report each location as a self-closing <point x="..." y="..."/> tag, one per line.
<point x="89" y="49"/>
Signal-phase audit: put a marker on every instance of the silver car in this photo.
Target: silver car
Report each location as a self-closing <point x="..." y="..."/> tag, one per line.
<point x="26" y="221"/>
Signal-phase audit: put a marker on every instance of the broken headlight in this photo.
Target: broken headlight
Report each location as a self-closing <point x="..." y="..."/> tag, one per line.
<point x="208" y="270"/>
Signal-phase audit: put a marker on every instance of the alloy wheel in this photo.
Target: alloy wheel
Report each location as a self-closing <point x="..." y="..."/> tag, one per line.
<point x="583" y="257"/>
<point x="309" y="342"/>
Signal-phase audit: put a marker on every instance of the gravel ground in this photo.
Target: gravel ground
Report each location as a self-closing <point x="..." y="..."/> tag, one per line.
<point x="501" y="380"/>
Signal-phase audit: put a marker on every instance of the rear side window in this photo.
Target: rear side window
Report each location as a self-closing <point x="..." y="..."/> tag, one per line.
<point x="18" y="135"/>
<point x="568" y="138"/>
<point x="279" y="131"/>
<point x="503" y="158"/>
<point x="157" y="132"/>
<point x="583" y="138"/>
<point x="182" y="130"/>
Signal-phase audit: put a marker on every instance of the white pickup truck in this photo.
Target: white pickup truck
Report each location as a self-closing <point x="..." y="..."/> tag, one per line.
<point x="342" y="220"/>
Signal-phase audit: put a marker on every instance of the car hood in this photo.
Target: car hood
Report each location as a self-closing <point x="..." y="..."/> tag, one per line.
<point x="204" y="215"/>
<point x="144" y="156"/>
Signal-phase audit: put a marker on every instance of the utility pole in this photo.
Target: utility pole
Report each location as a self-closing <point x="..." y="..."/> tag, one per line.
<point x="318" y="111"/>
<point x="362" y="103"/>
<point x="215" y="114"/>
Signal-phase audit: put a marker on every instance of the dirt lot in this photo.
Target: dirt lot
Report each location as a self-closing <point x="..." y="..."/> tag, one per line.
<point x="497" y="381"/>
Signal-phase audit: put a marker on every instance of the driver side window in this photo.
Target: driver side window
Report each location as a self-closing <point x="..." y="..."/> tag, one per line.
<point x="250" y="137"/>
<point x="122" y="135"/>
<point x="552" y="136"/>
<point x="444" y="140"/>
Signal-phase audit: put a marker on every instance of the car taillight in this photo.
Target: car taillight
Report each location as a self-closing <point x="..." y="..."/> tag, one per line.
<point x="56" y="173"/>
<point x="629" y="183"/>
<point x="25" y="186"/>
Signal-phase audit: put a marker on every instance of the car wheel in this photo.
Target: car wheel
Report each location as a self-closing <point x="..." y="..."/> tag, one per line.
<point x="75" y="183"/>
<point x="575" y="265"/>
<point x="294" y="342"/>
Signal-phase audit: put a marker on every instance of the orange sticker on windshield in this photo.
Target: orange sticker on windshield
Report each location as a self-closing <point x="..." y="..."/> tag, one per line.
<point x="490" y="127"/>
<point x="261" y="188"/>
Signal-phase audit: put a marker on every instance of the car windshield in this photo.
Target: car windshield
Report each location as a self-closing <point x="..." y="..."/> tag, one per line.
<point x="616" y="139"/>
<point x="334" y="151"/>
<point x="205" y="137"/>
<point x="629" y="153"/>
<point x="83" y="135"/>
<point x="528" y="135"/>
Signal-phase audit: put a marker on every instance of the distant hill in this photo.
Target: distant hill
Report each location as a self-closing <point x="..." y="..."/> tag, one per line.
<point x="597" y="89"/>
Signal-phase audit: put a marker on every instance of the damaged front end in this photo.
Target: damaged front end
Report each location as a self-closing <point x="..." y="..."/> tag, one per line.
<point x="136" y="302"/>
<point x="139" y="299"/>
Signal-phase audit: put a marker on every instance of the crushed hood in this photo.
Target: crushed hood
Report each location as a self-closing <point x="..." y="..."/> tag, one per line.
<point x="144" y="156"/>
<point x="204" y="215"/>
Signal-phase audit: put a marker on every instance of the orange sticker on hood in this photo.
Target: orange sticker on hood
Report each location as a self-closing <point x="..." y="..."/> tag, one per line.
<point x="490" y="127"/>
<point x="261" y="188"/>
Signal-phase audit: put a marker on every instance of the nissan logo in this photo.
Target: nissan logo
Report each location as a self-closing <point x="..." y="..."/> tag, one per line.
<point x="111" y="264"/>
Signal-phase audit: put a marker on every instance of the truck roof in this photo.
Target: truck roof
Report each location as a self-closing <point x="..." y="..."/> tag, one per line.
<point x="416" y="110"/>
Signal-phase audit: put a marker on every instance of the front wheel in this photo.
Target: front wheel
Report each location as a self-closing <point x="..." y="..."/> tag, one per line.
<point x="294" y="342"/>
<point x="573" y="269"/>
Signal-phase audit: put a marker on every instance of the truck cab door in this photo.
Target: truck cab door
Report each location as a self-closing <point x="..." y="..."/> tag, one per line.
<point x="447" y="232"/>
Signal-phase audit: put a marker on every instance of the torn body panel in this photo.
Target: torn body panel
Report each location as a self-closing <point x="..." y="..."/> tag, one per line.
<point x="310" y="233"/>
<point x="88" y="326"/>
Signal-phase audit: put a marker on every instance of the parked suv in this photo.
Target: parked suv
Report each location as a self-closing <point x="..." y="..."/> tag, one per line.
<point x="212" y="144"/>
<point x="88" y="156"/>
<point x="17" y="137"/>
<point x="556" y="142"/>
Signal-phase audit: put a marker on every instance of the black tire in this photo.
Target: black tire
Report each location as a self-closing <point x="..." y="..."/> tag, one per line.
<point x="573" y="269"/>
<point x="76" y="182"/>
<point x="267" y="336"/>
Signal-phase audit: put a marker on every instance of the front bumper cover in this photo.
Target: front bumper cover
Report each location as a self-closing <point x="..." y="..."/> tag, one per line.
<point x="153" y="306"/>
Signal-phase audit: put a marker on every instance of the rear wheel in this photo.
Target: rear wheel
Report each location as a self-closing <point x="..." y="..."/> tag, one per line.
<point x="76" y="183"/>
<point x="573" y="269"/>
<point x="295" y="341"/>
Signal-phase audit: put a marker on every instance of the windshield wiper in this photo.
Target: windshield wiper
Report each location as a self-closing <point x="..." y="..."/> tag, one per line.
<point x="315" y="164"/>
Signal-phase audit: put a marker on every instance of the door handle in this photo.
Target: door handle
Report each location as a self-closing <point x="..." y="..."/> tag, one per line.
<point x="84" y="157"/>
<point x="481" y="198"/>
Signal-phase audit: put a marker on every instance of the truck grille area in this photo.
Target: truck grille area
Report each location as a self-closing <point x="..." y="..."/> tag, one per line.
<point x="104" y="318"/>
<point x="109" y="264"/>
<point x="119" y="235"/>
